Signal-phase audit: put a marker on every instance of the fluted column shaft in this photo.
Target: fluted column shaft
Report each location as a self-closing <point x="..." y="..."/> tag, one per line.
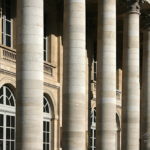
<point x="106" y="76"/>
<point x="131" y="86"/>
<point x="74" y="77"/>
<point x="145" y="93"/>
<point x="29" y="75"/>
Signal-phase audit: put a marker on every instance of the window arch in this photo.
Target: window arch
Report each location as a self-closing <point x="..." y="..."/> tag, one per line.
<point x="7" y="119"/>
<point x="47" y="125"/>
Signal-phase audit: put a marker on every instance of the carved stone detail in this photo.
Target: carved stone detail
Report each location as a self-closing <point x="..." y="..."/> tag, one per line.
<point x="134" y="6"/>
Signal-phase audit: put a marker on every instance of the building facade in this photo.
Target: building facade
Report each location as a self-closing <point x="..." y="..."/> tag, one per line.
<point x="74" y="74"/>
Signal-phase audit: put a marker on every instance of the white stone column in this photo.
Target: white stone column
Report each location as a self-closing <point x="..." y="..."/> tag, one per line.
<point x="131" y="86"/>
<point x="145" y="93"/>
<point x="29" y="118"/>
<point x="74" y="77"/>
<point x="106" y="76"/>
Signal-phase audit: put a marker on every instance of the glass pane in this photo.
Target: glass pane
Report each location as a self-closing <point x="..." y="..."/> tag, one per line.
<point x="12" y="145"/>
<point x="44" y="102"/>
<point x="44" y="137"/>
<point x="12" y="121"/>
<point x="47" y="147"/>
<point x="3" y="38"/>
<point x="1" y="91"/>
<point x="48" y="126"/>
<point x="1" y="100"/>
<point x="7" y="133"/>
<point x="8" y="41"/>
<point x="44" y="55"/>
<point x="47" y="109"/>
<point x="12" y="134"/>
<point x="7" y="101"/>
<point x="8" y="28"/>
<point x="8" y="121"/>
<point x="44" y="43"/>
<point x="8" y="93"/>
<point x="1" y="145"/>
<point x="47" y="139"/>
<point x="1" y="120"/>
<point x="11" y="101"/>
<point x="1" y="133"/>
<point x="44" y="126"/>
<point x="8" y="145"/>
<point x="43" y="146"/>
<point x="1" y="95"/>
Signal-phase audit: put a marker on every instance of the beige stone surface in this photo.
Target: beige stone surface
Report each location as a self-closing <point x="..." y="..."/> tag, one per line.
<point x="74" y="77"/>
<point x="106" y="76"/>
<point x="131" y="86"/>
<point x="29" y="76"/>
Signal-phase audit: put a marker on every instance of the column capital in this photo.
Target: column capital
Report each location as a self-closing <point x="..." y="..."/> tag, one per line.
<point x="133" y="6"/>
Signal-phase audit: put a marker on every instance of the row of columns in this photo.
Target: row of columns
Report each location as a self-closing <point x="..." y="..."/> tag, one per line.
<point x="30" y="77"/>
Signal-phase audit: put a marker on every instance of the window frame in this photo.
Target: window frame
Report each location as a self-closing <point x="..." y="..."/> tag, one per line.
<point x="47" y="117"/>
<point x="4" y="24"/>
<point x="7" y="110"/>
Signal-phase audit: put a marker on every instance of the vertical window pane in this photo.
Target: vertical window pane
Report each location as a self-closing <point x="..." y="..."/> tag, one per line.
<point x="1" y="95"/>
<point x="11" y="101"/>
<point x="8" y="145"/>
<point x="47" y="147"/>
<point x="1" y="145"/>
<point x="7" y="101"/>
<point x="8" y="93"/>
<point x="12" y="145"/>
<point x="8" y="121"/>
<point x="44" y="127"/>
<point x="1" y="120"/>
<point x="47" y="126"/>
<point x="8" y="41"/>
<point x="8" y="27"/>
<point x="44" y="140"/>
<point x="1" y="100"/>
<point x="1" y="91"/>
<point x="1" y="132"/>
<point x="47" y="140"/>
<point x="12" y="121"/>
<point x="8" y="133"/>
<point x="12" y="134"/>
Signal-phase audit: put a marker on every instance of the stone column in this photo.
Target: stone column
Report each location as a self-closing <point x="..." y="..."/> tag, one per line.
<point x="74" y="77"/>
<point x="106" y="76"/>
<point x="145" y="93"/>
<point x="131" y="86"/>
<point x="29" y="117"/>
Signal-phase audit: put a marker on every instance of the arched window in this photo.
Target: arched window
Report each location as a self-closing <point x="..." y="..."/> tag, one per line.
<point x="46" y="124"/>
<point x="93" y="129"/>
<point x="7" y="119"/>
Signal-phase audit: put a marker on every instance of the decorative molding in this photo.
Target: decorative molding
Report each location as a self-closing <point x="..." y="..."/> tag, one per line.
<point x="51" y="85"/>
<point x="8" y="72"/>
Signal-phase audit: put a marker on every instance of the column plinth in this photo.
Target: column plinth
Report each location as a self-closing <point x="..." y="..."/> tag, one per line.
<point x="74" y="76"/>
<point x="106" y="76"/>
<point x="131" y="86"/>
<point x="29" y="65"/>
